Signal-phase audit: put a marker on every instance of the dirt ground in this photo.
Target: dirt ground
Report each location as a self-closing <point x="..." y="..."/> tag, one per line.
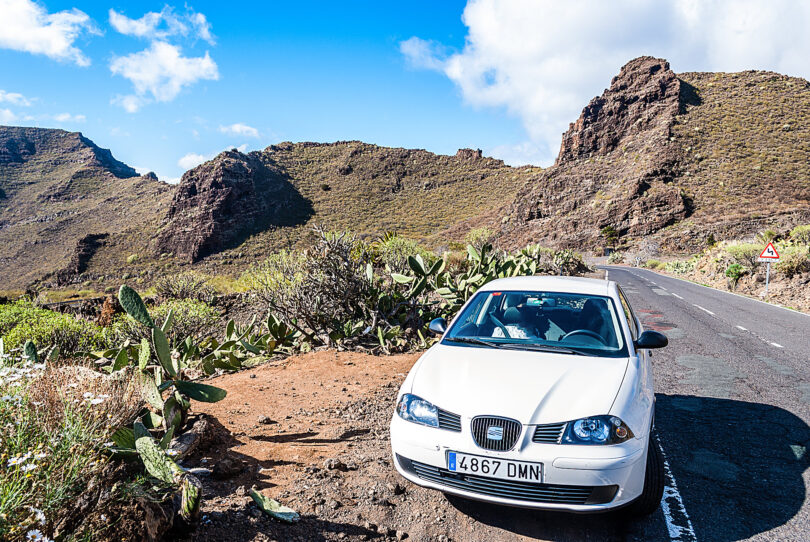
<point x="311" y="431"/>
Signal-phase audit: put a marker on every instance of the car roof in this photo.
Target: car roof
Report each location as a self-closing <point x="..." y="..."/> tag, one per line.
<point x="547" y="283"/>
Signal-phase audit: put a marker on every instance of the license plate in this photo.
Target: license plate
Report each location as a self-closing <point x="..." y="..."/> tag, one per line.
<point x="505" y="469"/>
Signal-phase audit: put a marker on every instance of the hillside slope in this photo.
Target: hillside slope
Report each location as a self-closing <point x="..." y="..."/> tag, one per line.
<point x="60" y="195"/>
<point x="274" y="197"/>
<point x="675" y="158"/>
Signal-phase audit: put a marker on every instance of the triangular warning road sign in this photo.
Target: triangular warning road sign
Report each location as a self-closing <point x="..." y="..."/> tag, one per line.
<point x="769" y="253"/>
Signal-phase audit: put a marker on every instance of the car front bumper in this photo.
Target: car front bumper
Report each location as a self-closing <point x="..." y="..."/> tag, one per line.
<point x="577" y="478"/>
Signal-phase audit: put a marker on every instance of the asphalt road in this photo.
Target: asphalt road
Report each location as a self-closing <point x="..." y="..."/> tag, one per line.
<point x="732" y="417"/>
<point x="732" y="411"/>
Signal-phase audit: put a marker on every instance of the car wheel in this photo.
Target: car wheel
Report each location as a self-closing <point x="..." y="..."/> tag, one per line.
<point x="650" y="498"/>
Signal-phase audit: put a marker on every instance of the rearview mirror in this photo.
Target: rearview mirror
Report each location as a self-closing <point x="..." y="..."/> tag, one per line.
<point x="438" y="326"/>
<point x="651" y="339"/>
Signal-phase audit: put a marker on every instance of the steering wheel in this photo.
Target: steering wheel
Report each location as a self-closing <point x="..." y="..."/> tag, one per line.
<point x="500" y="325"/>
<point x="587" y="333"/>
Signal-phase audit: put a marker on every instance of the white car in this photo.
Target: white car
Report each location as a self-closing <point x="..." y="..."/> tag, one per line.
<point x="539" y="395"/>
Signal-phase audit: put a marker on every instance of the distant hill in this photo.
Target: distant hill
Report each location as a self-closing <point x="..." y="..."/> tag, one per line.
<point x="57" y="188"/>
<point x="72" y="214"/>
<point x="282" y="191"/>
<point x="675" y="158"/>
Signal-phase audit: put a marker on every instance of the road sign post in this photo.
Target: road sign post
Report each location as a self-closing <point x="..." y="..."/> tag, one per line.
<point x="768" y="255"/>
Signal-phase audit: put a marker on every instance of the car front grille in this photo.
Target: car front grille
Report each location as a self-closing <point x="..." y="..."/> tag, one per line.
<point x="494" y="433"/>
<point x="449" y="421"/>
<point x="550" y="433"/>
<point x="510" y="489"/>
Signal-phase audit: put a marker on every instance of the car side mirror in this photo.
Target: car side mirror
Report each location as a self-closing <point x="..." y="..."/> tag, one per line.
<point x="651" y="339"/>
<point x="438" y="326"/>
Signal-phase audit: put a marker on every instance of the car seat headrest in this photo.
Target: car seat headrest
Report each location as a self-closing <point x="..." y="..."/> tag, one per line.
<point x="512" y="316"/>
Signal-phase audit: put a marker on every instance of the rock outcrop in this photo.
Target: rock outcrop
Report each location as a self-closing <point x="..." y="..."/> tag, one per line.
<point x="615" y="166"/>
<point x="220" y="202"/>
<point x="85" y="248"/>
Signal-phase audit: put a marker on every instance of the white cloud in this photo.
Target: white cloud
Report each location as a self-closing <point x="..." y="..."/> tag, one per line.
<point x="7" y="116"/>
<point x="193" y="159"/>
<point x="14" y="98"/>
<point x="542" y="61"/>
<point x="163" y="24"/>
<point x="239" y="129"/>
<point x="159" y="73"/>
<point x="27" y="26"/>
<point x="423" y="53"/>
<point x="67" y="117"/>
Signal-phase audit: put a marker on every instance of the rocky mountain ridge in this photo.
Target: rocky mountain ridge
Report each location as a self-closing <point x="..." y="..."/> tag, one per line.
<point x="638" y="160"/>
<point x="664" y="158"/>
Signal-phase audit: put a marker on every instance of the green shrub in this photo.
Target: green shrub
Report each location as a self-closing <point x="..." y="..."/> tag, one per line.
<point x="188" y="285"/>
<point x="55" y="422"/>
<point x="745" y="254"/>
<point x="793" y="261"/>
<point x="735" y="272"/>
<point x="191" y="318"/>
<point x="610" y="235"/>
<point x="20" y="321"/>
<point x="616" y="257"/>
<point x="767" y="236"/>
<point x="132" y="258"/>
<point x="652" y="263"/>
<point x="681" y="267"/>
<point x="393" y="250"/>
<point x="801" y="234"/>
<point x="478" y="237"/>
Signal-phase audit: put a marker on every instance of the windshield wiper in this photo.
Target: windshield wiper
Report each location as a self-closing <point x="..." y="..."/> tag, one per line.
<point x="475" y="340"/>
<point x="543" y="348"/>
<point x="519" y="346"/>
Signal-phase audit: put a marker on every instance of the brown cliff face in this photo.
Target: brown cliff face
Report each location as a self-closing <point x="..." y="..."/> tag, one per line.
<point x="644" y="97"/>
<point x="221" y="202"/>
<point x="615" y="167"/>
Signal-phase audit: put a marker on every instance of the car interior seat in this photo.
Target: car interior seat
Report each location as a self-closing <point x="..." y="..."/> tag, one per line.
<point x="595" y="317"/>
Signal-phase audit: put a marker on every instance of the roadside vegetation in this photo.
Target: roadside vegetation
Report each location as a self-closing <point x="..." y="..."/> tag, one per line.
<point x="733" y="265"/>
<point x="102" y="412"/>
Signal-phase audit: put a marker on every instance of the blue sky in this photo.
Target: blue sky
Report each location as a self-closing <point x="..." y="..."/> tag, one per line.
<point x="292" y="71"/>
<point x="168" y="85"/>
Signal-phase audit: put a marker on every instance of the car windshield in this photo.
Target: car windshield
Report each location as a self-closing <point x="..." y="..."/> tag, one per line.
<point x="545" y="321"/>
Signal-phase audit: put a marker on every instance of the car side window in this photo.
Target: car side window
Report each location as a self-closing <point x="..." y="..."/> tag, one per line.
<point x="628" y="312"/>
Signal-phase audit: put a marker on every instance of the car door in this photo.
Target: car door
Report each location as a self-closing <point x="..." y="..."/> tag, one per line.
<point x="644" y="356"/>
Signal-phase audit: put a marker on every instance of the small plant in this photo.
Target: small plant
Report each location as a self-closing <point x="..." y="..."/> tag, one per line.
<point x="801" y="234"/>
<point x="681" y="267"/>
<point x="745" y="254"/>
<point x="132" y="258"/>
<point x="188" y="285"/>
<point x="735" y="272"/>
<point x="793" y="261"/>
<point x="478" y="237"/>
<point x="767" y="236"/>
<point x="167" y="374"/>
<point x="610" y="235"/>
<point x="616" y="257"/>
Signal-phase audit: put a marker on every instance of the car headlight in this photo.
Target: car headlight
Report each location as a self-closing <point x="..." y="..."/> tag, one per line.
<point x="596" y="430"/>
<point x="417" y="410"/>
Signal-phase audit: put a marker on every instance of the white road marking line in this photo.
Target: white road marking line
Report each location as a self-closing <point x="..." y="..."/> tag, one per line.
<point x="742" y="328"/>
<point x="704" y="310"/>
<point x="676" y="295"/>
<point x="679" y="525"/>
<point x="777" y="345"/>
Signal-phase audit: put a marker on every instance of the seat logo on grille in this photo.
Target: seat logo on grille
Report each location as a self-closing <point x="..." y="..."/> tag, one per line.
<point x="495" y="432"/>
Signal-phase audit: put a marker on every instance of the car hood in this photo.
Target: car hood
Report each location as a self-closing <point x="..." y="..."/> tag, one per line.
<point x="531" y="387"/>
